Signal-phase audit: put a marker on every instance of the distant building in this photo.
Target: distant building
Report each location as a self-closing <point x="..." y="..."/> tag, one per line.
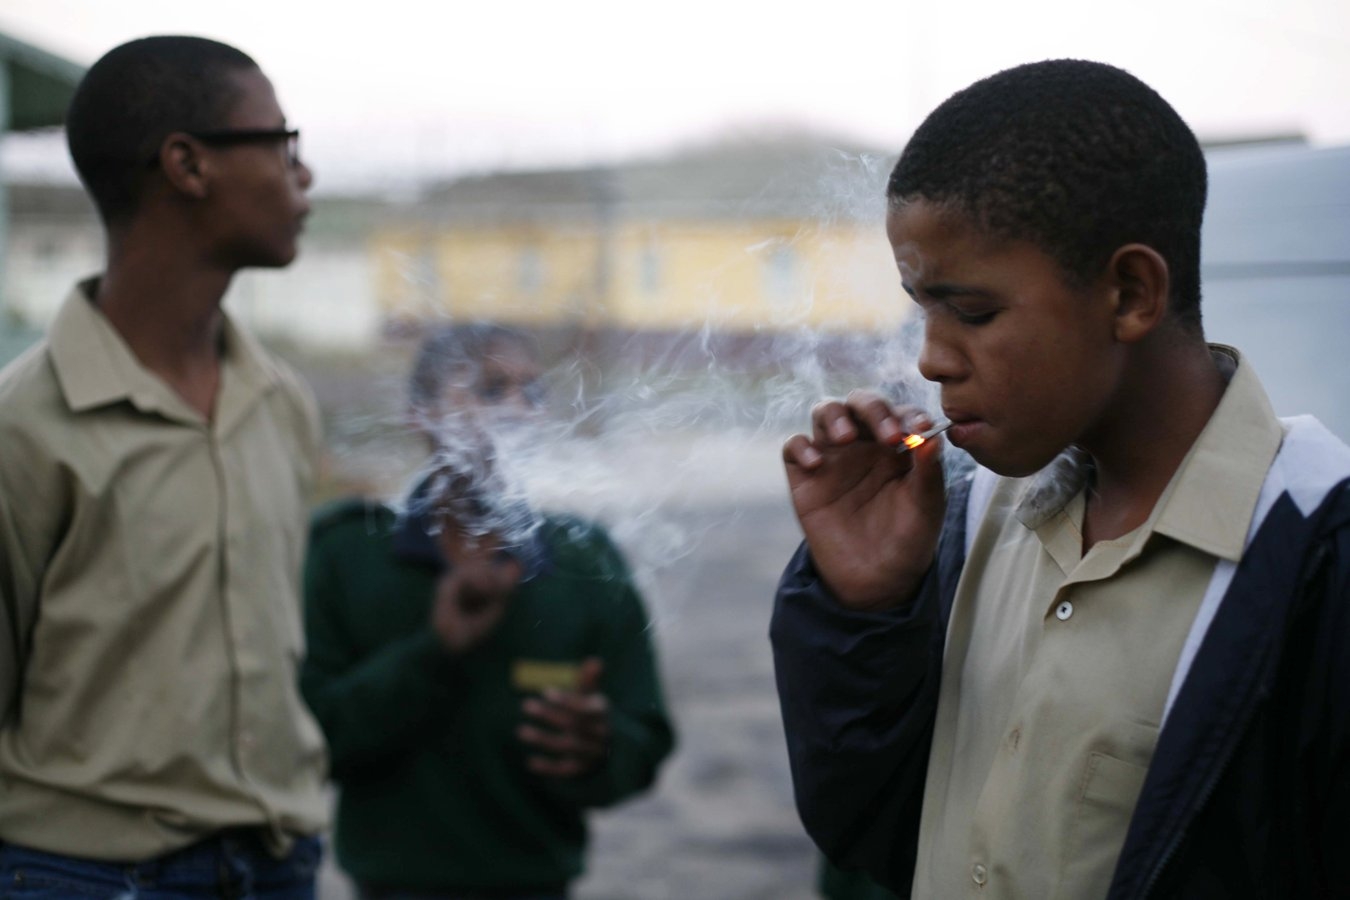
<point x="325" y="301"/>
<point x="731" y="246"/>
<point x="738" y="238"/>
<point x="35" y="88"/>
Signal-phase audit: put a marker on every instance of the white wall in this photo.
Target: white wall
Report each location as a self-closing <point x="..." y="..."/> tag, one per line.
<point x="324" y="301"/>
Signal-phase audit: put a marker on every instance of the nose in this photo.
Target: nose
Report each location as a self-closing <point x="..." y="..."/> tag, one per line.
<point x="304" y="175"/>
<point x="940" y="359"/>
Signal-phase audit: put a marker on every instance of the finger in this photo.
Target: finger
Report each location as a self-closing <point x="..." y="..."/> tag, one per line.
<point x="881" y="419"/>
<point x="589" y="703"/>
<point x="831" y="424"/>
<point x="570" y="712"/>
<point x="566" y="767"/>
<point x="504" y="573"/>
<point x="588" y="680"/>
<point x="591" y="730"/>
<point x="798" y="451"/>
<point x="560" y="744"/>
<point x="931" y="481"/>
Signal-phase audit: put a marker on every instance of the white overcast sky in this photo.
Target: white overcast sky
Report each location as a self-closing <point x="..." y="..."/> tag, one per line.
<point x="388" y="90"/>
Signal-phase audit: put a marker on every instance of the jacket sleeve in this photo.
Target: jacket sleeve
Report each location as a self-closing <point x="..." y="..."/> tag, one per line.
<point x="859" y="694"/>
<point x="642" y="735"/>
<point x="371" y="708"/>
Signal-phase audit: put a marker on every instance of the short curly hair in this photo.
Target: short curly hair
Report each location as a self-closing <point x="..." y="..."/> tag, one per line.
<point x="1077" y="157"/>
<point x="135" y="96"/>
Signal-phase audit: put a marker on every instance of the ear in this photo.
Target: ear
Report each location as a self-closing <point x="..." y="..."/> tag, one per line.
<point x="185" y="166"/>
<point x="1141" y="283"/>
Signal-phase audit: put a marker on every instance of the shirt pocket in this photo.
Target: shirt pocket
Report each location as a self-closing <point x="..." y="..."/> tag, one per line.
<point x="1106" y="802"/>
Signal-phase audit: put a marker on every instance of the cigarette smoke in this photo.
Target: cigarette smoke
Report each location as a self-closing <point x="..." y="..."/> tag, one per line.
<point x="639" y="438"/>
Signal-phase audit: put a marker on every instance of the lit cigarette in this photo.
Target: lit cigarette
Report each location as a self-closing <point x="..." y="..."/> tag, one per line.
<point x="918" y="440"/>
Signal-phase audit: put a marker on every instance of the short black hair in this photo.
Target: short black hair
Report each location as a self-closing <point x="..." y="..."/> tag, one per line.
<point x="451" y="348"/>
<point x="136" y="95"/>
<point x="1078" y="157"/>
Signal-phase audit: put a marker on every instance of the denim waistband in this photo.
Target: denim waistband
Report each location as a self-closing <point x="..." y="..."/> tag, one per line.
<point x="229" y="864"/>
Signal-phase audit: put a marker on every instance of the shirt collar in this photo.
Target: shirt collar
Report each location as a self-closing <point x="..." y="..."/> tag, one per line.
<point x="1215" y="490"/>
<point x="1210" y="499"/>
<point x="95" y="367"/>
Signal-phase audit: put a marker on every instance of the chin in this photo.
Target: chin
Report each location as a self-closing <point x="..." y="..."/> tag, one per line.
<point x="1012" y="465"/>
<point x="276" y="259"/>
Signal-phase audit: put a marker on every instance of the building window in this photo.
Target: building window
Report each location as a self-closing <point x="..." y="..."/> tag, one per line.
<point x="649" y="269"/>
<point x="782" y="276"/>
<point x="529" y="271"/>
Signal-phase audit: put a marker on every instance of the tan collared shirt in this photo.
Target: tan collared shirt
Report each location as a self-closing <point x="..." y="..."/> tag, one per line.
<point x="1058" y="665"/>
<point x="149" y="599"/>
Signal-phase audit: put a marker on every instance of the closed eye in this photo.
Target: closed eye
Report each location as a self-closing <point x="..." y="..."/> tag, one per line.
<point x="973" y="318"/>
<point x="949" y="299"/>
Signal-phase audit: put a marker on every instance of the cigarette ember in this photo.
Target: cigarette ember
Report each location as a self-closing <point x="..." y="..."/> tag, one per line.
<point x="913" y="441"/>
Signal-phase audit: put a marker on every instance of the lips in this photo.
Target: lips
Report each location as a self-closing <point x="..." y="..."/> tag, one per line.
<point x="964" y="426"/>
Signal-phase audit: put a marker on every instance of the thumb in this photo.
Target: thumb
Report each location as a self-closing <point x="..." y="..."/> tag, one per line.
<point x="928" y="478"/>
<point x="588" y="679"/>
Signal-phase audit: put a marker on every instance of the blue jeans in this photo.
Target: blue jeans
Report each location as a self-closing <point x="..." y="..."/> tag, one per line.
<point x="231" y="866"/>
<point x="368" y="894"/>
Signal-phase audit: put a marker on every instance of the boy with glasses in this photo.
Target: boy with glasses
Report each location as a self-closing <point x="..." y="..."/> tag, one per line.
<point x="153" y="494"/>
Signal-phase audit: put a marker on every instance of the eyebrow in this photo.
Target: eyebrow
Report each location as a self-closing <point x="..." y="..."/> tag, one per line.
<point x="945" y="291"/>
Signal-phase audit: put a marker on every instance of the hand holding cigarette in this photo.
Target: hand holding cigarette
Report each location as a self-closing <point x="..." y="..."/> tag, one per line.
<point x="871" y="515"/>
<point x="472" y="596"/>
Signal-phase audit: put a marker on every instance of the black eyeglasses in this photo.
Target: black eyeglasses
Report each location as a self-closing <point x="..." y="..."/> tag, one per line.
<point x="249" y="135"/>
<point x="227" y="137"/>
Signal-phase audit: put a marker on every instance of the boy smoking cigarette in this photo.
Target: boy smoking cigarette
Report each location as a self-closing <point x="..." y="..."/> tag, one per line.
<point x="1115" y="661"/>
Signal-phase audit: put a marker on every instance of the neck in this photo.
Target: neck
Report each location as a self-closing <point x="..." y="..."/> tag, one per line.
<point x="164" y="299"/>
<point x="1162" y="408"/>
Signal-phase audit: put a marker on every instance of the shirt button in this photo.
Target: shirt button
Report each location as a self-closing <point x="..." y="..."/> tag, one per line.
<point x="979" y="873"/>
<point x="1064" y="610"/>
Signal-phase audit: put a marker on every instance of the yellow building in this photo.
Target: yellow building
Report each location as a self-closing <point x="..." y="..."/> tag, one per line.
<point x="741" y="237"/>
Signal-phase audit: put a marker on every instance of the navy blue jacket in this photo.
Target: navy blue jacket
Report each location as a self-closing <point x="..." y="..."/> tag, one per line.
<point x="1248" y="792"/>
